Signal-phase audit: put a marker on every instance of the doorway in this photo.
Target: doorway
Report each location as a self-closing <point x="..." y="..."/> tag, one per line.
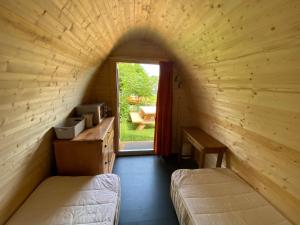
<point x="138" y="83"/>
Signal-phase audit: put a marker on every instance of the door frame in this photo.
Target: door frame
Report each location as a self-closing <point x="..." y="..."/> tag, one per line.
<point x="117" y="105"/>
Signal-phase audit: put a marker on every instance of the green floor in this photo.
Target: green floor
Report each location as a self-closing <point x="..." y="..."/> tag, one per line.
<point x="129" y="132"/>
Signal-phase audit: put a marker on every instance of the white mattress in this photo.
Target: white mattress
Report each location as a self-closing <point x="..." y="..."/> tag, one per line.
<point x="219" y="197"/>
<point x="72" y="200"/>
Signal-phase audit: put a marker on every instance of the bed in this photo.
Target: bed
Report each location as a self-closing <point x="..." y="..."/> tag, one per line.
<point x="72" y="200"/>
<point x="219" y="197"/>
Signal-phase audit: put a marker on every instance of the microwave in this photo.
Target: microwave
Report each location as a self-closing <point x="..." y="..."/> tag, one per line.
<point x="99" y="111"/>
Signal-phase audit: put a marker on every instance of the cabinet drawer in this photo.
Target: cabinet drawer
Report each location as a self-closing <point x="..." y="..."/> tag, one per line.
<point x="108" y="139"/>
<point x="105" y="162"/>
<point x="109" y="135"/>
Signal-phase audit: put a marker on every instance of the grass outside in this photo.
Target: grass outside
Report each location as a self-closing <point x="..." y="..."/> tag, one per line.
<point x="129" y="132"/>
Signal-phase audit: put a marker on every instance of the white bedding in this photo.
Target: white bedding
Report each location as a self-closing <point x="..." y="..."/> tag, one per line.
<point x="92" y="200"/>
<point x="219" y="197"/>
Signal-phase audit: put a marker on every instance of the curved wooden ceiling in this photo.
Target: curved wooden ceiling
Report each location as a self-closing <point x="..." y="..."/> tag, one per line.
<point x="241" y="73"/>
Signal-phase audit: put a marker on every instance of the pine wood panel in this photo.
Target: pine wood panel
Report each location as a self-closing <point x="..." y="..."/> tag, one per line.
<point x="238" y="62"/>
<point x="44" y="71"/>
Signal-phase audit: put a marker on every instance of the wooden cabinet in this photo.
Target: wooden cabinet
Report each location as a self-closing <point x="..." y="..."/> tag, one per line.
<point x="90" y="153"/>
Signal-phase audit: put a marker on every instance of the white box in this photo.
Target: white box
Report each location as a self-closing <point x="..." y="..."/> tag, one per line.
<point x="70" y="128"/>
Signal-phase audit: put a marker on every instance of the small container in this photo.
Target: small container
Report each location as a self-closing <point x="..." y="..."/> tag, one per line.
<point x="98" y="110"/>
<point x="88" y="120"/>
<point x="70" y="128"/>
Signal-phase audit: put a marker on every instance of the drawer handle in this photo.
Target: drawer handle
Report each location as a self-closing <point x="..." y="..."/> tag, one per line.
<point x="105" y="146"/>
<point x="105" y="162"/>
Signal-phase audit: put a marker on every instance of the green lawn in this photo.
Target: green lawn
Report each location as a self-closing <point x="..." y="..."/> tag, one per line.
<point x="129" y="132"/>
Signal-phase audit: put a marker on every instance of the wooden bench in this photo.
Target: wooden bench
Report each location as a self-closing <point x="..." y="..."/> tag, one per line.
<point x="203" y="143"/>
<point x="141" y="123"/>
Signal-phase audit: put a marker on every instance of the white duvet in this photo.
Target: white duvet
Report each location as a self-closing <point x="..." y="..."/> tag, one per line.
<point x="219" y="197"/>
<point x="92" y="200"/>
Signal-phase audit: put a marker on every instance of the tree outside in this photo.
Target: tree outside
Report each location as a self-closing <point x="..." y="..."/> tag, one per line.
<point x="136" y="88"/>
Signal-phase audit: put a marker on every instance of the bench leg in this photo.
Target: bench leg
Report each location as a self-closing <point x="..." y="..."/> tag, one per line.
<point x="180" y="152"/>
<point x="140" y="126"/>
<point x="219" y="159"/>
<point x="202" y="159"/>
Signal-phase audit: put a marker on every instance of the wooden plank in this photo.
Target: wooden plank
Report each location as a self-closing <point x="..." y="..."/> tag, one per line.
<point x="237" y="61"/>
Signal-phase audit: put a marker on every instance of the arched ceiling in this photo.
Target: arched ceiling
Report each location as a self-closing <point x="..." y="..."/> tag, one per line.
<point x="198" y="32"/>
<point x="240" y="63"/>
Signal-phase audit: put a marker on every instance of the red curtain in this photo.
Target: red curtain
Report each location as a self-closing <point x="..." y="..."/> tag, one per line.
<point x="163" y="119"/>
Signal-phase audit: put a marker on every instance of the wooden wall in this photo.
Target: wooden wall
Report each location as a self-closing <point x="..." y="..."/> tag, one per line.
<point x="243" y="86"/>
<point x="239" y="62"/>
<point x="44" y="70"/>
